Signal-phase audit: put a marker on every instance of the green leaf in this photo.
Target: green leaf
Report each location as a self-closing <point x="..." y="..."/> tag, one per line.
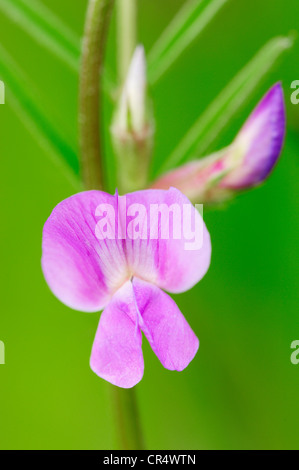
<point x="224" y="108"/>
<point x="18" y="94"/>
<point x="57" y="38"/>
<point x="49" y="31"/>
<point x="44" y="27"/>
<point x="190" y="21"/>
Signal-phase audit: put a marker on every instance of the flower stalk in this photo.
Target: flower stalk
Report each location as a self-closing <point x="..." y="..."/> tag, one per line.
<point x="129" y="431"/>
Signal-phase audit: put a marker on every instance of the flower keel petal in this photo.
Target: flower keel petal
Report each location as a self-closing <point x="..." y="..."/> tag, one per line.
<point x="116" y="353"/>
<point x="166" y="329"/>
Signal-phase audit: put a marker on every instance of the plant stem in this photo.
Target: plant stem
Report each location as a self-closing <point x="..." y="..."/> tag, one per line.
<point x="125" y="406"/>
<point x="126" y="35"/>
<point x="129" y="432"/>
<point x="93" y="49"/>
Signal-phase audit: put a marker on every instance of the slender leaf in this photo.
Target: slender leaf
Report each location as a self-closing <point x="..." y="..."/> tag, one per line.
<point x="44" y="27"/>
<point x="190" y="21"/>
<point x="20" y="97"/>
<point x="50" y="32"/>
<point x="223" y="109"/>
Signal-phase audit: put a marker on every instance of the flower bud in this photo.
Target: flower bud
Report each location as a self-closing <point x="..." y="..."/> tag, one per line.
<point x="131" y="113"/>
<point x="246" y="163"/>
<point x="259" y="143"/>
<point x="132" y="128"/>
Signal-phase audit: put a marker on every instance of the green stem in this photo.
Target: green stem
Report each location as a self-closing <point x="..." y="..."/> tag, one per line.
<point x="129" y="432"/>
<point x="97" y="20"/>
<point x="126" y="35"/>
<point x="93" y="49"/>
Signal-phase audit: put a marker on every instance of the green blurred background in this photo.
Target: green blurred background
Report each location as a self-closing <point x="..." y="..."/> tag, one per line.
<point x="241" y="391"/>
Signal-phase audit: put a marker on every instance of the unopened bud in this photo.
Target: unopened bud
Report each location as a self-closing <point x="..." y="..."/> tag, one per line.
<point x="244" y="164"/>
<point x="131" y="113"/>
<point x="132" y="129"/>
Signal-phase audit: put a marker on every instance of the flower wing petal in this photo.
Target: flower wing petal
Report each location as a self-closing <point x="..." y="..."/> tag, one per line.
<point x="116" y="353"/>
<point x="166" y="329"/>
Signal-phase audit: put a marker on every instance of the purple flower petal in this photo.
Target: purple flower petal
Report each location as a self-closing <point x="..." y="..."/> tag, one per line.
<point x="166" y="329"/>
<point x="166" y="262"/>
<point x="84" y="271"/>
<point x="116" y="353"/>
<point x="80" y="270"/>
<point x="259" y="143"/>
<point x="245" y="163"/>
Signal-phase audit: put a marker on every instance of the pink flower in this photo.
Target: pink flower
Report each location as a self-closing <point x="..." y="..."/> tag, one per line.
<point x="246" y="163"/>
<point x="104" y="252"/>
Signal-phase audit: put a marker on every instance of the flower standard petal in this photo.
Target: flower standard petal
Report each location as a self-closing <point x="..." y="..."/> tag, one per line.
<point x="166" y="329"/>
<point x="84" y="271"/>
<point x="81" y="270"/>
<point x="160" y="254"/>
<point x="116" y="353"/>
